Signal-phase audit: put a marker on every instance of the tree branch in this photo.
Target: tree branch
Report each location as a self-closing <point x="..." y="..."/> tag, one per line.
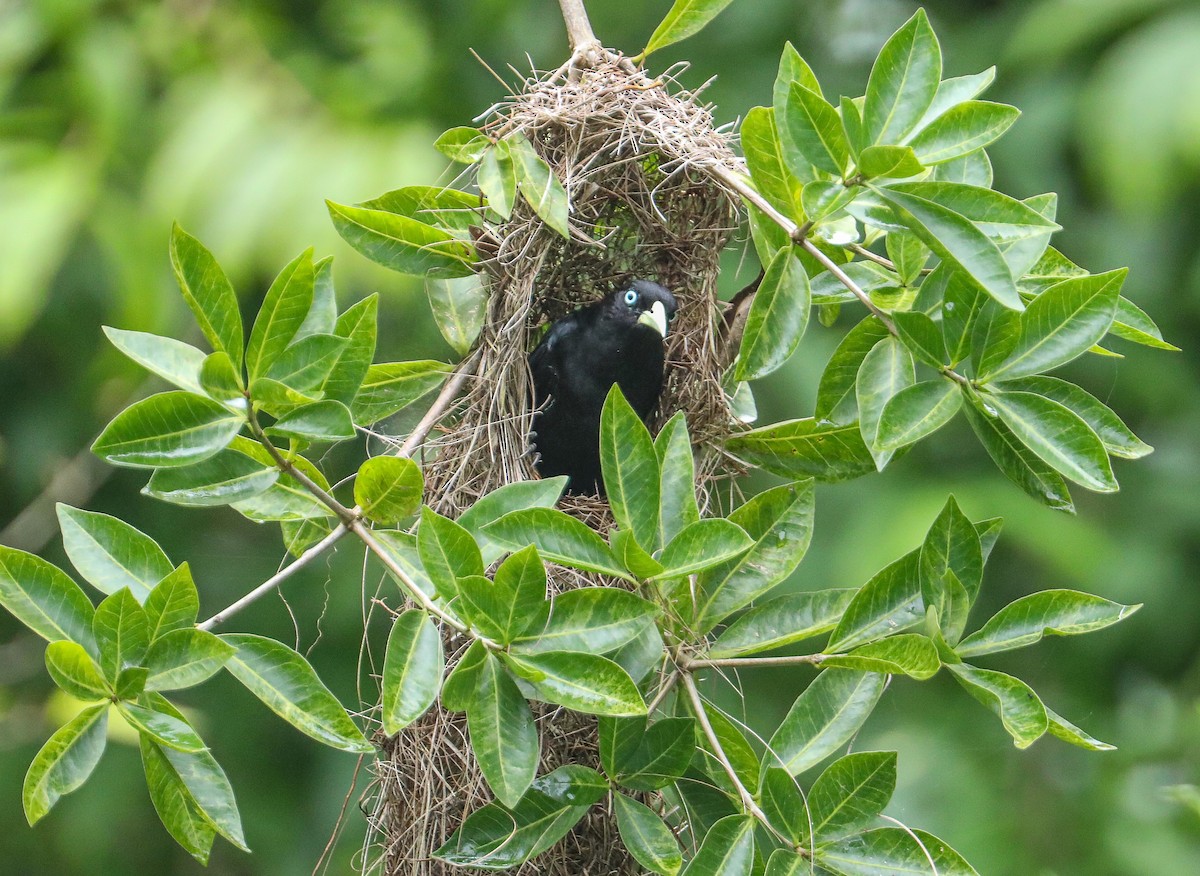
<point x="579" y="30"/>
<point x="712" y="663"/>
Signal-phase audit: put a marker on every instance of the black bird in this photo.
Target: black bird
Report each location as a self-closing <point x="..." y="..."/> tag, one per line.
<point x="618" y="339"/>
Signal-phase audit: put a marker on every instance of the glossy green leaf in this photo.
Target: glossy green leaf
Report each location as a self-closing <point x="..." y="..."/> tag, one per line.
<point x="903" y="82"/>
<point x="836" y="399"/>
<point x="917" y="411"/>
<point x="658" y="756"/>
<point x="889" y="162"/>
<point x="906" y="654"/>
<point x="359" y="327"/>
<point x="1115" y="435"/>
<point x="703" y="545"/>
<point x="908" y="254"/>
<point x="963" y="128"/>
<point x="1061" y="324"/>
<point x="767" y="163"/>
<point x="44" y="598"/>
<point x="677" y="490"/>
<point x="1018" y="463"/>
<point x="812" y="126"/>
<point x="174" y="804"/>
<point x="64" y="762"/>
<point x="503" y="735"/>
<point x="782" y="621"/>
<point x="779" y="522"/>
<point x="973" y="169"/>
<point x="183" y="658"/>
<point x="462" y="144"/>
<point x="821" y="199"/>
<point x="685" y="18"/>
<point x="459" y="307"/>
<point x="322" y="316"/>
<point x="1020" y="710"/>
<point x="886" y="851"/>
<point x="192" y="784"/>
<point x="445" y="208"/>
<point x="538" y="185"/>
<point x="278" y="398"/>
<point x="496" y="838"/>
<point x="74" y="670"/>
<point x="1133" y="324"/>
<point x="782" y="801"/>
<point x="224" y="478"/>
<point x="208" y="293"/>
<point x="522" y="577"/>
<point x="631" y="470"/>
<point x="824" y="717"/>
<point x="458" y="690"/>
<point x="584" y="682"/>
<point x="1057" y="435"/>
<point x="633" y="556"/>
<point x="558" y="537"/>
<point x="1051" y="612"/>
<point x="805" y="449"/>
<point x="1068" y="732"/>
<point x="732" y="736"/>
<point x="594" y="620"/>
<point x="517" y="496"/>
<point x="131" y="682"/>
<point x="727" y="849"/>
<point x="497" y="179"/>
<point x="962" y="305"/>
<point x="289" y="687"/>
<point x="122" y="631"/>
<point x="953" y="91"/>
<point x="851" y="793"/>
<point x="169" y="429"/>
<point x="388" y="488"/>
<point x="921" y="336"/>
<point x="166" y="730"/>
<point x="173" y="604"/>
<point x="282" y="313"/>
<point x="325" y="420"/>
<point x="951" y="557"/>
<point x="400" y="243"/>
<point x="784" y="862"/>
<point x="889" y="603"/>
<point x="448" y="552"/>
<point x="777" y="319"/>
<point x="110" y="553"/>
<point x="485" y="606"/>
<point x="305" y="366"/>
<point x="172" y="360"/>
<point x="393" y="386"/>
<point x="413" y="666"/>
<point x="646" y="837"/>
<point x="886" y="369"/>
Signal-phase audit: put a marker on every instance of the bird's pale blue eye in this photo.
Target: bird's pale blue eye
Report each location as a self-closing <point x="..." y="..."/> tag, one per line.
<point x="631" y="297"/>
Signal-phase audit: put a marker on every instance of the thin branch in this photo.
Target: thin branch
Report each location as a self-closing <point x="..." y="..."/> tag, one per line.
<point x="796" y="660"/>
<point x="441" y="404"/>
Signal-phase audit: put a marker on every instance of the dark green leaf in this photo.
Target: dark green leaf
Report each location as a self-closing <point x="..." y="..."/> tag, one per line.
<point x="458" y="690"/>
<point x="447" y="551"/>
<point x="1018" y="463"/>
<point x="1058" y="436"/>
<point x="183" y="658"/>
<point x="783" y="804"/>
<point x="1051" y="612"/>
<point x="503" y="735"/>
<point x="208" y="293"/>
<point x="632" y="475"/>
<point x="559" y="538"/>
<point x="646" y="837"/>
<point x="850" y="793"/>
<point x="820" y="199"/>
<point x="593" y="620"/>
<point x="74" y="670"/>
<point x="287" y="684"/>
<point x="658" y="757"/>
<point x="1020" y="710"/>
<point x="777" y="319"/>
<point x="172" y="360"/>
<point x="908" y="254"/>
<point x="964" y="128"/>
<point x="169" y="429"/>
<point x="917" y="411"/>
<point x="731" y="734"/>
<point x="412" y="670"/>
<point x="282" y="313"/>
<point x="727" y="849"/>
<point x="886" y="851"/>
<point x="392" y="386"/>
<point x="823" y="718"/>
<point x="805" y="448"/>
<point x="584" y="682"/>
<point x="903" y="82"/>
<point x="677" y="491"/>
<point x="388" y="488"/>
<point x="782" y="621"/>
<point x="886" y="369"/>
<point x="306" y="365"/>
<point x="65" y="761"/>
<point x="400" y="243"/>
<point x="835" y="396"/>
<point x="921" y="335"/>
<point x="686" y="17"/>
<point x="888" y="603"/>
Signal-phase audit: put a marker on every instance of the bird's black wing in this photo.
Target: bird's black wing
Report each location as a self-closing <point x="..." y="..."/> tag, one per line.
<point x="546" y="359"/>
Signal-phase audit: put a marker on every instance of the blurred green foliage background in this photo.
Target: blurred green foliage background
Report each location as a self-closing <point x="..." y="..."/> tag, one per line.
<point x="238" y="118"/>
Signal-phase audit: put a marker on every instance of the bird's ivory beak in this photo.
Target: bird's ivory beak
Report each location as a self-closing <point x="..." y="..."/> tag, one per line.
<point x="655" y="317"/>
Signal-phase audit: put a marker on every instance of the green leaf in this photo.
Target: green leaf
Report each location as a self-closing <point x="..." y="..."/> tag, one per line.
<point x="122" y="630"/>
<point x="780" y="523"/>
<point x="412" y="670"/>
<point x="166" y="730"/>
<point x="783" y="804"/>
<point x="1132" y="324"/>
<point x="326" y="420"/>
<point x="289" y="687"/>
<point x="172" y="360"/>
<point x="957" y="240"/>
<point x="593" y="620"/>
<point x="222" y="479"/>
<point x="1020" y="710"/>
<point x="888" y="603"/>
<point x="1059" y="436"/>
<point x="42" y="597"/>
<point x="646" y="837"/>
<point x="110" y="553"/>
<point x="558" y="537"/>
<point x="685" y="18"/>
<point x="974" y="169"/>
<point x="656" y="757"/>
<point x="886" y="369"/>
<point x="522" y="579"/>
<point x="131" y="682"/>
<point x="962" y="306"/>
<point x="539" y="186"/>
<point x="1051" y="612"/>
<point x="188" y="785"/>
<point x="903" y="82"/>
<point x="461" y="144"/>
<point x="631" y="470"/>
<point x="1115" y="435"/>
<point x="458" y="690"/>
<point x="518" y="496"/>
<point x="782" y="621"/>
<point x="64" y="762"/>
<point x="921" y="335"/>
<point x="584" y="682"/>
<point x="359" y="327"/>
<point x="851" y="793"/>
<point x="497" y="178"/>
<point x="906" y="654"/>
<point x="784" y="862"/>
<point x="677" y="491"/>
<point x="183" y="658"/>
<point x="793" y="68"/>
<point x="909" y="256"/>
<point x="951" y="550"/>
<point x="304" y="367"/>
<point x="703" y="545"/>
<point x="1018" y="463"/>
<point x="503" y="735"/>
<point x="805" y="448"/>
<point x="777" y="319"/>
<point x="1068" y="732"/>
<point x="459" y="308"/>
<point x="813" y="128"/>
<point x="727" y="849"/>
<point x="74" y="670"/>
<point x="445" y="208"/>
<point x="836" y="400"/>
<point x="208" y="293"/>
<point x="448" y="552"/>
<point x="1061" y="324"/>
<point x="738" y="752"/>
<point x="322" y="316"/>
<point x="169" y="429"/>
<point x="393" y="386"/>
<point x="889" y="850"/>
<point x="953" y="91"/>
<point x="496" y="838"/>
<point x="917" y="411"/>
<point x="889" y="162"/>
<point x="282" y="313"/>
<point x="824" y="717"/>
<point x="632" y="556"/>
<point x="173" y="604"/>
<point x="388" y="489"/>
<point x="400" y="243"/>
<point x="964" y="128"/>
<point x="486" y="607"/>
<point x="767" y="163"/>
<point x="174" y="804"/>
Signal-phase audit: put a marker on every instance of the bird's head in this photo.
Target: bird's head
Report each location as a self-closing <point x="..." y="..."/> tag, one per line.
<point x="643" y="303"/>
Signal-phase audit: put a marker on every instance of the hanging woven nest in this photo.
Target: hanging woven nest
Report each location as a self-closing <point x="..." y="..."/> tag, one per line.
<point x="631" y="152"/>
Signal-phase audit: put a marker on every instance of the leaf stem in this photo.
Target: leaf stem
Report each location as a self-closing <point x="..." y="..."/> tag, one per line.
<point x="727" y="662"/>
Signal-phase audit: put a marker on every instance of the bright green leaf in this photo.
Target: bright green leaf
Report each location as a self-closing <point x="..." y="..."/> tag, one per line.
<point x="65" y="761"/>
<point x="559" y="538"/>
<point x="646" y="837"/>
<point x="584" y="682"/>
<point x="74" y="670"/>
<point x="283" y="311"/>
<point x="392" y="386"/>
<point x="413" y="666"/>
<point x="503" y="735"/>
<point x="782" y="621"/>
<point x="685" y="18"/>
<point x="172" y="360"/>
<point x="903" y="82"/>
<point x="1020" y="710"/>
<point x="208" y="293"/>
<point x="183" y="658"/>
<point x="169" y="429"/>
<point x="824" y="717"/>
<point x="777" y="319"/>
<point x="388" y="488"/>
<point x="1050" y="612"/>
<point x="400" y="243"/>
<point x="631" y="470"/>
